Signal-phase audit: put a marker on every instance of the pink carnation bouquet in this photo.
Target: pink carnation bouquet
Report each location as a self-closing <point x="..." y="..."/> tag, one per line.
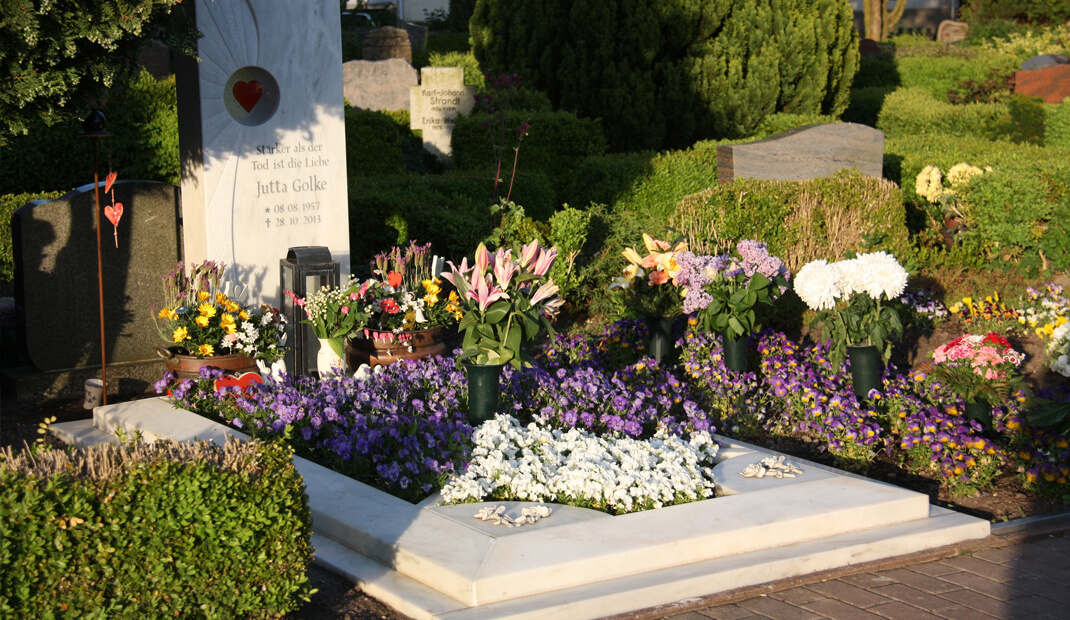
<point x="981" y="368"/>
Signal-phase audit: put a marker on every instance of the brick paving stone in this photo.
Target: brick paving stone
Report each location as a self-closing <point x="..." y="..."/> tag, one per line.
<point x="977" y="583"/>
<point x="934" y="569"/>
<point x="1044" y="588"/>
<point x="917" y="598"/>
<point x="961" y="613"/>
<point x="1036" y="606"/>
<point x="1000" y="555"/>
<point x="979" y="602"/>
<point x="831" y="608"/>
<point x="901" y="611"/>
<point x="995" y="572"/>
<point x="797" y="596"/>
<point x="848" y="593"/>
<point x="918" y="581"/>
<point x="777" y="610"/>
<point x="688" y="615"/>
<point x="726" y="612"/>
<point x="868" y="580"/>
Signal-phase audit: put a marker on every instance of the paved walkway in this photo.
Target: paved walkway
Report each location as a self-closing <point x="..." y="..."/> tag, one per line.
<point x="1021" y="571"/>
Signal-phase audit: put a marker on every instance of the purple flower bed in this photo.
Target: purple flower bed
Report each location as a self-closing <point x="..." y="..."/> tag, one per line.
<point x="404" y="431"/>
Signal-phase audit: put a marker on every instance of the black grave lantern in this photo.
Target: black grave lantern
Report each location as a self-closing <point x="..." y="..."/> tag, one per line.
<point x="305" y="270"/>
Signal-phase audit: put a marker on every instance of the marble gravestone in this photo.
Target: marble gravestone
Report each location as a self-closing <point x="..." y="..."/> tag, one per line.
<point x="56" y="293"/>
<point x="804" y="153"/>
<point x="262" y="135"/>
<point x="435" y="104"/>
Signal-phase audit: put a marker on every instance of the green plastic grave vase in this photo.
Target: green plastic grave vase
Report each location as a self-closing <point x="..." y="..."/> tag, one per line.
<point x="865" y="369"/>
<point x="735" y="352"/>
<point x="483" y="389"/>
<point x="980" y="411"/>
<point x="660" y="346"/>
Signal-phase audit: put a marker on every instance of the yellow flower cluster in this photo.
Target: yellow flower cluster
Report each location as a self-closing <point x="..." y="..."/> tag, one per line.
<point x="990" y="308"/>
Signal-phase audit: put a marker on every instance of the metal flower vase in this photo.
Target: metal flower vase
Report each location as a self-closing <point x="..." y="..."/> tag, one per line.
<point x="483" y="389"/>
<point x="660" y="346"/>
<point x="865" y="369"/>
<point x="735" y="352"/>
<point x="980" y="411"/>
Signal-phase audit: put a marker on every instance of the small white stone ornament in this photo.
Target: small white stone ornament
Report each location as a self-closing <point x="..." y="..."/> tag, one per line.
<point x="773" y="467"/>
<point x="528" y="516"/>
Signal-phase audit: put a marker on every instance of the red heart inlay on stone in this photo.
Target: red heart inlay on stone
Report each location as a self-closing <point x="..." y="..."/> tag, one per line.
<point x="242" y="382"/>
<point x="247" y="94"/>
<point x="114" y="214"/>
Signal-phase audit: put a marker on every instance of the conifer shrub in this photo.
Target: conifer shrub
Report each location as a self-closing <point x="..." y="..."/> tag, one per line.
<point x="664" y="74"/>
<point x="153" y="531"/>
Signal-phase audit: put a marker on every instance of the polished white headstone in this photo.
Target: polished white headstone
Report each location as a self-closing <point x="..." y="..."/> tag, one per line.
<point x="263" y="138"/>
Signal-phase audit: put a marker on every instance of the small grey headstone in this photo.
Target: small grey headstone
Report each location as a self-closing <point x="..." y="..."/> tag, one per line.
<point x="56" y="274"/>
<point x="1044" y="61"/>
<point x="386" y="43"/>
<point x="378" y="84"/>
<point x="804" y="153"/>
<point x="951" y="31"/>
<point x="436" y="103"/>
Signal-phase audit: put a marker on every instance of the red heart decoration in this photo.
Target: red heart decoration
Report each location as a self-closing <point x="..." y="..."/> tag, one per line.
<point x="247" y="94"/>
<point x="114" y="214"/>
<point x="243" y="381"/>
<point x="108" y="180"/>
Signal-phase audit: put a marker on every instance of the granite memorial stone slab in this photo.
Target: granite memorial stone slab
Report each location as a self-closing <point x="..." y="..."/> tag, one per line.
<point x="435" y="105"/>
<point x="951" y="31"/>
<point x="379" y="84"/>
<point x="56" y="274"/>
<point x="386" y="43"/>
<point x="804" y="153"/>
<point x="262" y="136"/>
<point x="1043" y="61"/>
<point x="1052" y="84"/>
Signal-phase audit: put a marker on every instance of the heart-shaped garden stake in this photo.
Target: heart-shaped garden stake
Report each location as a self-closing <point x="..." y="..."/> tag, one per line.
<point x="243" y="381"/>
<point x="247" y="94"/>
<point x="114" y="214"/>
<point x="109" y="180"/>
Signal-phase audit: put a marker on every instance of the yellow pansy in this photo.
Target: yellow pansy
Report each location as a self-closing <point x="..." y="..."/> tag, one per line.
<point x="201" y="321"/>
<point x="206" y="350"/>
<point x="432" y="287"/>
<point x="955" y="308"/>
<point x="180" y="334"/>
<point x="207" y="309"/>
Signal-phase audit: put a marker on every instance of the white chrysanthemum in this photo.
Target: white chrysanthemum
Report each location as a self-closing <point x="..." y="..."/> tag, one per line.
<point x="817" y="284"/>
<point x="960" y="174"/>
<point x="882" y="275"/>
<point x="850" y="276"/>
<point x="928" y="184"/>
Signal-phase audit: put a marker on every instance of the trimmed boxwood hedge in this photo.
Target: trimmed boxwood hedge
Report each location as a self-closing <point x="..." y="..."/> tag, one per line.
<point x="152" y="531"/>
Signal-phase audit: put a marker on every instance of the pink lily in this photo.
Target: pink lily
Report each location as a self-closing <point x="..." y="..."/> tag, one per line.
<point x="482" y="258"/>
<point x="504" y="268"/>
<point x="485" y="295"/>
<point x="546" y="290"/>
<point x="528" y="254"/>
<point x="461" y="270"/>
<point x="545" y="261"/>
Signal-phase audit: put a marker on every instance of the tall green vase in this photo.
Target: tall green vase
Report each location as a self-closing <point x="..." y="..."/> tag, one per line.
<point x="980" y="411"/>
<point x="483" y="389"/>
<point x="660" y="337"/>
<point x="865" y="369"/>
<point x="735" y="352"/>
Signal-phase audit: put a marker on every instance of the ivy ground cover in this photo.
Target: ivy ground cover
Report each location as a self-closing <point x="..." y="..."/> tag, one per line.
<point x="405" y="430"/>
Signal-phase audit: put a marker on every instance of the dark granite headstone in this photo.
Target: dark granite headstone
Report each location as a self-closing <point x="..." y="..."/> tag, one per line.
<point x="804" y="153"/>
<point x="386" y="43"/>
<point x="378" y="84"/>
<point x="1051" y="84"/>
<point x="56" y="274"/>
<point x="1044" y="61"/>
